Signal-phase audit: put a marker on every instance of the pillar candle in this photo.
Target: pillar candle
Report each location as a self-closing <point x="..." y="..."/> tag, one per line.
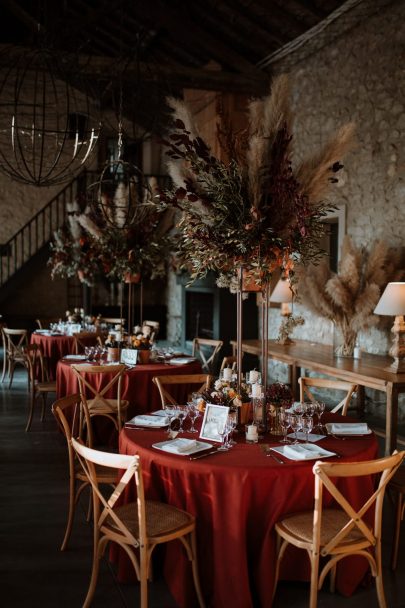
<point x="227" y="374"/>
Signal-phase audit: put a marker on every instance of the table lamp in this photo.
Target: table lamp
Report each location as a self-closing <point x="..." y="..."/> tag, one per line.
<point x="392" y="303"/>
<point x="283" y="295"/>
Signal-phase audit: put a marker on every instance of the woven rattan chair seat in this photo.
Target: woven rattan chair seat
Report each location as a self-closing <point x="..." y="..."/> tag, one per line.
<point x="161" y="519"/>
<point x="100" y="406"/>
<point x="333" y="520"/>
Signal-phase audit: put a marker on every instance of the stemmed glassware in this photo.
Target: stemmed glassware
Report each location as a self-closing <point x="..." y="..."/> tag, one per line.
<point x="296" y="425"/>
<point x="193" y="414"/>
<point x="181" y="415"/>
<point x="171" y="414"/>
<point x="284" y="418"/>
<point x="232" y="422"/>
<point x="307" y="422"/>
<point x="319" y="410"/>
<point x="223" y="430"/>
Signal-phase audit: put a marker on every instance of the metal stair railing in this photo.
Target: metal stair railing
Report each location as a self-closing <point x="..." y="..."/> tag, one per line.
<point x="36" y="233"/>
<point x="39" y="230"/>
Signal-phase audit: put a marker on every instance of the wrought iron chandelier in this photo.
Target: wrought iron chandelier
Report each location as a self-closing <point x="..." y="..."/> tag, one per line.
<point x="49" y="123"/>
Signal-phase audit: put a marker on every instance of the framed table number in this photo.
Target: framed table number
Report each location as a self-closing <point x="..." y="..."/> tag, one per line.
<point x="129" y="356"/>
<point x="214" y="420"/>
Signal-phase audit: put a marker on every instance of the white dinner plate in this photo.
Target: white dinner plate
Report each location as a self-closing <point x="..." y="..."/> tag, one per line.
<point x="182" y="446"/>
<point x="147" y="421"/>
<point x="303" y="451"/>
<point x="181" y="360"/>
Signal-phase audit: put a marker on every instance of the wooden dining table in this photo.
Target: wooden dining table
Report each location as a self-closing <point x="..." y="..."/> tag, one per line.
<point x="237" y="497"/>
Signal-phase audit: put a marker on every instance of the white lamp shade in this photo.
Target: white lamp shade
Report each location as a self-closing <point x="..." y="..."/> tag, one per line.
<point x="282" y="292"/>
<point x="392" y="301"/>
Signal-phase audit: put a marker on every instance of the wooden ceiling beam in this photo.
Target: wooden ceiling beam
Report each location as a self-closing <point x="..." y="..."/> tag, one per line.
<point x="275" y="16"/>
<point x="190" y="33"/>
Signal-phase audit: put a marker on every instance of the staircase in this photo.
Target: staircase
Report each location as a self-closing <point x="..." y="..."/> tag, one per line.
<point x="37" y="232"/>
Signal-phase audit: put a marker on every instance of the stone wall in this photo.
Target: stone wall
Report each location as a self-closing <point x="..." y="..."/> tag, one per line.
<point x="359" y="77"/>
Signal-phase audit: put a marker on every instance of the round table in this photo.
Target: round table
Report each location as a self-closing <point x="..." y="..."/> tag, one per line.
<point x="237" y="497"/>
<point x="137" y="385"/>
<point x="57" y="346"/>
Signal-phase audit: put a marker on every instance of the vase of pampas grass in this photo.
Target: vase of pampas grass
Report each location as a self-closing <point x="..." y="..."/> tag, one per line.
<point x="348" y="298"/>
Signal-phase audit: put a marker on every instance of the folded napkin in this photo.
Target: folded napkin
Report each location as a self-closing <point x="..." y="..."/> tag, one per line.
<point x="145" y="420"/>
<point x="303" y="452"/>
<point x="347" y="428"/>
<point x="181" y="446"/>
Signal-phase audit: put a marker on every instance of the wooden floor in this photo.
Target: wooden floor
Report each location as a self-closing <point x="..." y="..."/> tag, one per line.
<point x="33" y="501"/>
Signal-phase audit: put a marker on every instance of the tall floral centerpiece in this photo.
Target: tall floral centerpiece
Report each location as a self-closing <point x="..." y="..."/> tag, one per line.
<point x="255" y="212"/>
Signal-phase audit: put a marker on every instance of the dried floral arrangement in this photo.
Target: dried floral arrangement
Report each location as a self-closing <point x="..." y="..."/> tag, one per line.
<point x="348" y="297"/>
<point x="279" y="394"/>
<point x="71" y="250"/>
<point x="118" y="241"/>
<point x="254" y="211"/>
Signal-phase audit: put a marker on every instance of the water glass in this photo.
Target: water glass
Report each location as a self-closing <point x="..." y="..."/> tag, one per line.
<point x="284" y="419"/>
<point x="296" y="425"/>
<point x="307" y="423"/>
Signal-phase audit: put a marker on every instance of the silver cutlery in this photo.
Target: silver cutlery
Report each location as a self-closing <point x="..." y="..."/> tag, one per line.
<point x="274" y="457"/>
<point x="204" y="454"/>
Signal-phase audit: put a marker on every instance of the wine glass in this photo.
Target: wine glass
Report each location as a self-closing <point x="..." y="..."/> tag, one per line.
<point x="232" y="422"/>
<point x="296" y="425"/>
<point x="307" y="423"/>
<point x="319" y="409"/>
<point x="193" y="415"/>
<point x="223" y="430"/>
<point x="284" y="418"/>
<point x="181" y="414"/>
<point x="171" y="414"/>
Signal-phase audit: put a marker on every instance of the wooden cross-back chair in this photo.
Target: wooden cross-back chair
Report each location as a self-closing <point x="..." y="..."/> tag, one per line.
<point x="83" y="339"/>
<point x="342" y="530"/>
<point x="201" y="381"/>
<point x="229" y="361"/>
<point x="199" y="349"/>
<point x="339" y="385"/>
<point x="96" y="400"/>
<point x="67" y="413"/>
<point x="15" y="341"/>
<point x="45" y="322"/>
<point x="39" y="383"/>
<point x="137" y="527"/>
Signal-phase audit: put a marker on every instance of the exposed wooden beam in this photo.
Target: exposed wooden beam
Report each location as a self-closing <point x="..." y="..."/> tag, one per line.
<point x="191" y="33"/>
<point x="275" y="16"/>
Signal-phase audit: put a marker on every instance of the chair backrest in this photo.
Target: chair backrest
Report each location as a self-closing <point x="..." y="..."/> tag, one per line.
<point x="326" y="475"/>
<point x="36" y="364"/>
<point x="199" y="350"/>
<point x="203" y="382"/>
<point x="67" y="412"/>
<point x="229" y="361"/>
<point x="103" y="507"/>
<point x="81" y="340"/>
<point x="44" y="323"/>
<point x="15" y="341"/>
<point x="337" y="385"/>
<point x="113" y="321"/>
<point x="88" y="387"/>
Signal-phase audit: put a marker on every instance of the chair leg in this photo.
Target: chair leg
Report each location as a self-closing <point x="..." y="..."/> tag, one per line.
<point x="44" y="396"/>
<point x="332" y="585"/>
<point x="4" y="364"/>
<point x="71" y="514"/>
<point x="144" y="568"/>
<point x="194" y="565"/>
<point x="397" y="529"/>
<point x="379" y="578"/>
<point x="31" y="413"/>
<point x="313" y="599"/>
<point x="94" y="575"/>
<point x="11" y="373"/>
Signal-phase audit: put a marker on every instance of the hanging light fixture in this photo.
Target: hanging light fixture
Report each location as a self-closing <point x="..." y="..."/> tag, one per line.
<point x="49" y="123"/>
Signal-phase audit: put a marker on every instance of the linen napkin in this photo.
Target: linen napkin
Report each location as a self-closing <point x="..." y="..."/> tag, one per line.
<point x="349" y="428"/>
<point x="145" y="420"/>
<point x="181" y="446"/>
<point x="303" y="452"/>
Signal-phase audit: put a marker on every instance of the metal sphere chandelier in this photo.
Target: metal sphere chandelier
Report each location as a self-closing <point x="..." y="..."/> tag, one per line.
<point x="49" y="123"/>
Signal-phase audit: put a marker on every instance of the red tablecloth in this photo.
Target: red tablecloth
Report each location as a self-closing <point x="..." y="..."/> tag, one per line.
<point x="237" y="497"/>
<point x="56" y="347"/>
<point x="137" y="385"/>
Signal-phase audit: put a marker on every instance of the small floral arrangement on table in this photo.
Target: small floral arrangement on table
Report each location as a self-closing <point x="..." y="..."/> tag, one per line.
<point x="140" y="342"/>
<point x="225" y="393"/>
<point x="279" y="395"/>
<point x="112" y="342"/>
